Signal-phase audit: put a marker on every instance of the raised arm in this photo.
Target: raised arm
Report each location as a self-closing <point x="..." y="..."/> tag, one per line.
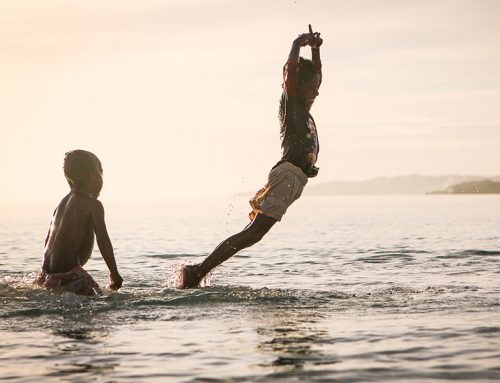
<point x="291" y="67"/>
<point x="105" y="245"/>
<point x="316" y="42"/>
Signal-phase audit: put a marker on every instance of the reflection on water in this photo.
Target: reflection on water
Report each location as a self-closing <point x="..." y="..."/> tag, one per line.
<point x="294" y="338"/>
<point x="79" y="352"/>
<point x="71" y="351"/>
<point x="81" y="334"/>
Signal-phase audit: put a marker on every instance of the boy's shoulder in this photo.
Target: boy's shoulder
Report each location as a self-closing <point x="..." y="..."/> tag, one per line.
<point x="76" y="202"/>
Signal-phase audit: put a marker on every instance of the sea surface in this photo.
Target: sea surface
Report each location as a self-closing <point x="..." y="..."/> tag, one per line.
<point x="344" y="289"/>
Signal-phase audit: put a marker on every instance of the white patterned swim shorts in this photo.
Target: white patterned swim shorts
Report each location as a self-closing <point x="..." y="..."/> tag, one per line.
<point x="284" y="185"/>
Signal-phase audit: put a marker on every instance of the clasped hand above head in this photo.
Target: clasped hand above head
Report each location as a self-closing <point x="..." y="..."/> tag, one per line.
<point x="311" y="38"/>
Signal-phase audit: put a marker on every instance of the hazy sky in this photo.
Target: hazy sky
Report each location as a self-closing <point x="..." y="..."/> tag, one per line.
<point x="181" y="97"/>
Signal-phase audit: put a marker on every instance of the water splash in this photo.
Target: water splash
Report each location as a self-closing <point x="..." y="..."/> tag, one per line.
<point x="174" y="280"/>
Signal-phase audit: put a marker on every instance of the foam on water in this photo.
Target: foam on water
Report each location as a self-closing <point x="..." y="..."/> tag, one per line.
<point x="23" y="299"/>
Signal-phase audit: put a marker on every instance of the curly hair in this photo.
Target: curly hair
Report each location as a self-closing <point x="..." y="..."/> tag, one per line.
<point x="78" y="165"/>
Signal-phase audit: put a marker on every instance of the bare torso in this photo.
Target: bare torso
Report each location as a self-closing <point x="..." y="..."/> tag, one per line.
<point x="70" y="239"/>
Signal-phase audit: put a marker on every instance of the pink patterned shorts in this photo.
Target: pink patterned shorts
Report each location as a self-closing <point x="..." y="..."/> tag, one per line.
<point x="77" y="281"/>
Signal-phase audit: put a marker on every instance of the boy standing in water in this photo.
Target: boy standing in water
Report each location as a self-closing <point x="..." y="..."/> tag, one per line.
<point x="70" y="239"/>
<point x="288" y="177"/>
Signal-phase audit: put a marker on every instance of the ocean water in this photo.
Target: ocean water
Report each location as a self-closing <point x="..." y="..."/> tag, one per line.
<point x="348" y="289"/>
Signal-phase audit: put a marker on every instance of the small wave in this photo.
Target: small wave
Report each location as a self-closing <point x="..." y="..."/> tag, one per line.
<point x="29" y="302"/>
<point x="401" y="251"/>
<point x="486" y="330"/>
<point x="469" y="253"/>
<point x="172" y="256"/>
<point x="385" y="257"/>
<point x="239" y="295"/>
<point x="395" y="250"/>
<point x="479" y="252"/>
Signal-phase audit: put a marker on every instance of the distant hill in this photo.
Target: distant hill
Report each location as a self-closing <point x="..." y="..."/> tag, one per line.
<point x="486" y="186"/>
<point x="412" y="184"/>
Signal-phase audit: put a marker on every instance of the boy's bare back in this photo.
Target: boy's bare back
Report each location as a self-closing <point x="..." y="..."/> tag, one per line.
<point x="70" y="239"/>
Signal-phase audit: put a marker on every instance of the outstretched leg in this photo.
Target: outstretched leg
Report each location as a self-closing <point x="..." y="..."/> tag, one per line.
<point x="250" y="235"/>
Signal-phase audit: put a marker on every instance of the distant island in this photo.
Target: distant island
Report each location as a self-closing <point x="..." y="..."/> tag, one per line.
<point x="486" y="186"/>
<point x="412" y="184"/>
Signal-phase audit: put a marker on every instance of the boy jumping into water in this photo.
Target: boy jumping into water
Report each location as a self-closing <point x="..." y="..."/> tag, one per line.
<point x="288" y="177"/>
<point x="70" y="239"/>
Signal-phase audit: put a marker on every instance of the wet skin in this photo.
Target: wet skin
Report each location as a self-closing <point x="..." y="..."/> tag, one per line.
<point x="71" y="235"/>
<point x="70" y="239"/>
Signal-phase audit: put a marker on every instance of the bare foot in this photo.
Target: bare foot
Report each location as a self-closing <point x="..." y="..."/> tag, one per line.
<point x="189" y="277"/>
